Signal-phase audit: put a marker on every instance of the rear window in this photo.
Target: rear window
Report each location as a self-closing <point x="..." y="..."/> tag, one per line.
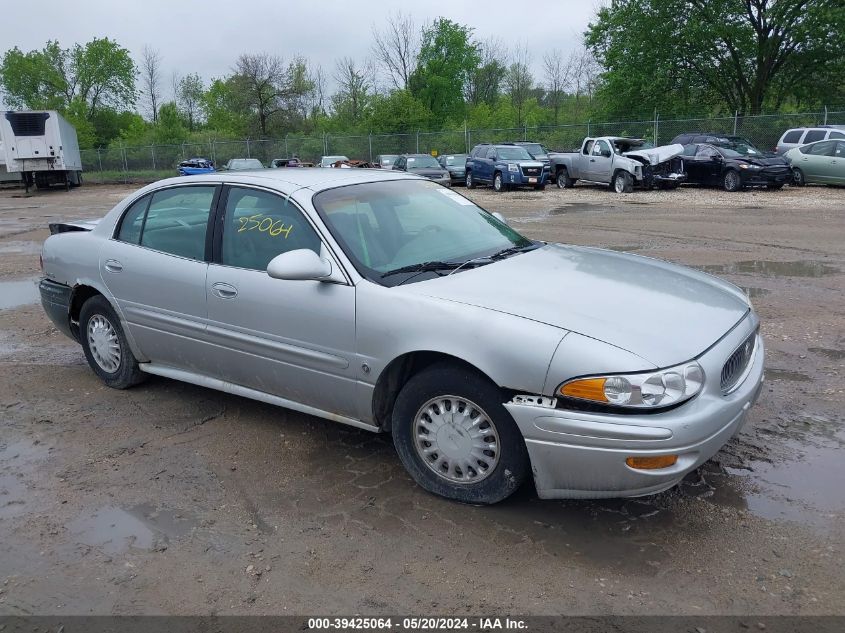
<point x="814" y="135"/>
<point x="793" y="136"/>
<point x="836" y="135"/>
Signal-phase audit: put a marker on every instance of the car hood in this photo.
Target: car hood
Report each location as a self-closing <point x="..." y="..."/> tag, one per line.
<point x="663" y="313"/>
<point x="763" y="161"/>
<point x="657" y="155"/>
<point x="429" y="172"/>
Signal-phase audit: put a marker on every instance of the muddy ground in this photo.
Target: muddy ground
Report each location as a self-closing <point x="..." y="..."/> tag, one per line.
<point x="170" y="498"/>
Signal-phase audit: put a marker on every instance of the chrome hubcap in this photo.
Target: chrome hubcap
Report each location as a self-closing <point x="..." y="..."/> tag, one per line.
<point x="620" y="184"/>
<point x="103" y="343"/>
<point x="456" y="439"/>
<point x="731" y="180"/>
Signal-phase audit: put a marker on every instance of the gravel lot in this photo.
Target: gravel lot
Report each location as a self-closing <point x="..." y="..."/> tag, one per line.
<point x="170" y="498"/>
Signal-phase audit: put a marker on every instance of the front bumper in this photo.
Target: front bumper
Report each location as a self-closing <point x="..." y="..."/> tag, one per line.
<point x="762" y="177"/>
<point x="578" y="454"/>
<point x="458" y="176"/>
<point x="446" y="181"/>
<point x="519" y="179"/>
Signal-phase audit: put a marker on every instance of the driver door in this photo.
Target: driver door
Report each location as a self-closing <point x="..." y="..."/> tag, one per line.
<point x="600" y="163"/>
<point x="294" y="339"/>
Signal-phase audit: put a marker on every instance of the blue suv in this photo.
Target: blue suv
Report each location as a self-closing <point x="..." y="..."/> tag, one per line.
<point x="504" y="167"/>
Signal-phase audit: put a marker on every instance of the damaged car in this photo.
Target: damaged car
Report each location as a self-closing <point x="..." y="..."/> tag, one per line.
<point x="382" y="300"/>
<point x="621" y="162"/>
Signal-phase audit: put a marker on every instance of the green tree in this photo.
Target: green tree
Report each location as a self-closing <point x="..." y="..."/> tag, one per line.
<point x="224" y="109"/>
<point x="99" y="74"/>
<point x="189" y="96"/>
<point x="675" y="55"/>
<point x="447" y="59"/>
<point x="399" y="112"/>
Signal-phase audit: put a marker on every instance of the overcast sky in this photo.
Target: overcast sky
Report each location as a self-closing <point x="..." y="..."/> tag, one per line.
<point x="207" y="36"/>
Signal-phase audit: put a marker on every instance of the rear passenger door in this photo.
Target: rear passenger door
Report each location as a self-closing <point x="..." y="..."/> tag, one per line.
<point x="155" y="268"/>
<point x="293" y="339"/>
<point x="837" y="173"/>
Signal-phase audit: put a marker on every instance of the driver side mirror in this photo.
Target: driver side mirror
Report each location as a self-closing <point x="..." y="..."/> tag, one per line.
<point x="501" y="218"/>
<point x="299" y="265"/>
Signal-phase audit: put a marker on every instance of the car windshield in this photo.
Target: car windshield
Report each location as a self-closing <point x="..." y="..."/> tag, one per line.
<point x="536" y="150"/>
<point x="245" y="163"/>
<point x="387" y="160"/>
<point x="387" y="226"/>
<point x="737" y="146"/>
<point x="422" y="162"/>
<point x="457" y="159"/>
<point x="621" y="145"/>
<point x="513" y="153"/>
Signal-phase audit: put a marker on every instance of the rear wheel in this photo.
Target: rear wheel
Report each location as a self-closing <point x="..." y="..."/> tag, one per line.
<point x="105" y="345"/>
<point x="455" y="437"/>
<point x="798" y="177"/>
<point x="469" y="181"/>
<point x="622" y="182"/>
<point x="498" y="182"/>
<point x="731" y="181"/>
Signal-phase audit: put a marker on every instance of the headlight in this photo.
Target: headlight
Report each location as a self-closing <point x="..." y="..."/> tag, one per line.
<point x="657" y="389"/>
<point x="512" y="167"/>
<point x="747" y="166"/>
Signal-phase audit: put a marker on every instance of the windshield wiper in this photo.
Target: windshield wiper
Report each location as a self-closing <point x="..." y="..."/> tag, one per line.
<point x="422" y="268"/>
<point x="507" y="252"/>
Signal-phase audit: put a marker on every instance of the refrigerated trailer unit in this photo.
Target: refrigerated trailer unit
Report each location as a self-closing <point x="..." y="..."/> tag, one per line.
<point x="41" y="146"/>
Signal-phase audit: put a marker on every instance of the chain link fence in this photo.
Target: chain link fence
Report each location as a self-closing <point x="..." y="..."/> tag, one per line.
<point x="144" y="164"/>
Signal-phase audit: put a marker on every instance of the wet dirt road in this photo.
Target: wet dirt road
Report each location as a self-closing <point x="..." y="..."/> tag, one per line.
<point x="169" y="498"/>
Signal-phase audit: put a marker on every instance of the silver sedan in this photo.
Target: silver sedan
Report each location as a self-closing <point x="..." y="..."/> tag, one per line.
<point x="385" y="301"/>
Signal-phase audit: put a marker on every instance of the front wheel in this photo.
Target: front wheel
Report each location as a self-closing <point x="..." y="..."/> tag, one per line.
<point x="563" y="180"/>
<point x="622" y="182"/>
<point x="105" y="345"/>
<point x="469" y="181"/>
<point x="731" y="181"/>
<point x="798" y="177"/>
<point x="455" y="437"/>
<point x="498" y="183"/>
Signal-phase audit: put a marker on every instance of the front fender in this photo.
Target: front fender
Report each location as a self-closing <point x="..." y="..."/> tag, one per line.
<point x="512" y="351"/>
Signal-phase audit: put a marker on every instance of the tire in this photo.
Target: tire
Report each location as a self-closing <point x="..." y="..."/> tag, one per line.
<point x="99" y="330"/>
<point x="563" y="180"/>
<point x="453" y="390"/>
<point x="731" y="181"/>
<point x="498" y="182"/>
<point x="798" y="178"/>
<point x="622" y="182"/>
<point x="470" y="183"/>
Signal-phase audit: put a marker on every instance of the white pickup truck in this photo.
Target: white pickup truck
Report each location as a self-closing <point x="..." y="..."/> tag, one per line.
<point x="622" y="163"/>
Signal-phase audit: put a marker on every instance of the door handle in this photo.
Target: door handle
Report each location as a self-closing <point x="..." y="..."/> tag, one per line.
<point x="113" y="266"/>
<point x="224" y="290"/>
<point x="592" y="160"/>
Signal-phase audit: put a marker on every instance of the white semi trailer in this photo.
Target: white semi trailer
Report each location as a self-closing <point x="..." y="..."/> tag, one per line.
<point x="41" y="146"/>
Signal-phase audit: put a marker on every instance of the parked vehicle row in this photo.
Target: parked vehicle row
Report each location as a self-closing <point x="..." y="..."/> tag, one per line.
<point x="803" y="155"/>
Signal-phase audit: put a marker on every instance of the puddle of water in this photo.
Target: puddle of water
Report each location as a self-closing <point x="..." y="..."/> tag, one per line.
<point x="625" y="248"/>
<point x="115" y="530"/>
<point x="773" y="269"/>
<point x="832" y="354"/>
<point x="784" y="374"/>
<point x="14" y="294"/>
<point x="754" y="292"/>
<point x="28" y="248"/>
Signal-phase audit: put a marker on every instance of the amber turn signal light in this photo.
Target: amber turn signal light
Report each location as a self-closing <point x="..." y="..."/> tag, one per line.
<point x="588" y="389"/>
<point x="652" y="463"/>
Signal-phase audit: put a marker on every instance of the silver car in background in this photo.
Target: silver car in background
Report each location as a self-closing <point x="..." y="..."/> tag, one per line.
<point x="387" y="302"/>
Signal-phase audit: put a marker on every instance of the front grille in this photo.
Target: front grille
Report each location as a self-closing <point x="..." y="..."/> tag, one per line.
<point x="736" y="368"/>
<point x="532" y="171"/>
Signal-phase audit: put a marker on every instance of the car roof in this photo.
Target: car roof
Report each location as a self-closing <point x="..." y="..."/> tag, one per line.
<point x="314" y="178"/>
